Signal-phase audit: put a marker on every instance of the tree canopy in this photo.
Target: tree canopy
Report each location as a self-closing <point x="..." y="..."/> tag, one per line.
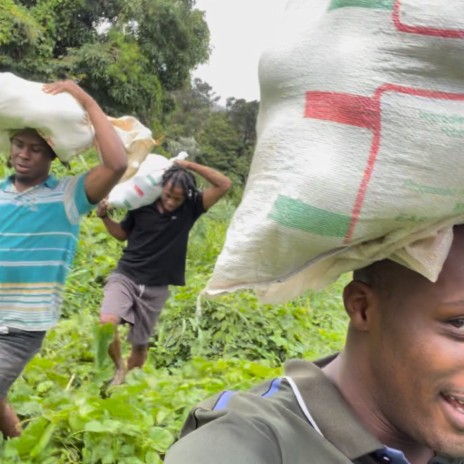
<point x="135" y="57"/>
<point x="127" y="53"/>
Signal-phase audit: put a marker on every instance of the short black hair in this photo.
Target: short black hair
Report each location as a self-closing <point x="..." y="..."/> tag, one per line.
<point x="365" y="275"/>
<point x="382" y="276"/>
<point x="178" y="176"/>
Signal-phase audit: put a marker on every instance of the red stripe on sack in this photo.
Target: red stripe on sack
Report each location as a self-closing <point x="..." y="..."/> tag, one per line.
<point x="354" y="110"/>
<point x="423" y="30"/>
<point x="138" y="191"/>
<point x="355" y="214"/>
<point x="363" y="112"/>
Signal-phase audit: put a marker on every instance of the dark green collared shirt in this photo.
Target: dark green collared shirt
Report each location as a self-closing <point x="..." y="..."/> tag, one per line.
<point x="299" y="419"/>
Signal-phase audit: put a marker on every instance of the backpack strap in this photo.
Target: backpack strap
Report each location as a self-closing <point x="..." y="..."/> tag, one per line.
<point x="224" y="398"/>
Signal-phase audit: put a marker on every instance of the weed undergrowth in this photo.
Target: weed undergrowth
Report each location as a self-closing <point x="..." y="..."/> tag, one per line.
<point x="200" y="347"/>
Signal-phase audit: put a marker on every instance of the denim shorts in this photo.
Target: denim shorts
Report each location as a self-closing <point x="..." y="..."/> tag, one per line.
<point x="17" y="348"/>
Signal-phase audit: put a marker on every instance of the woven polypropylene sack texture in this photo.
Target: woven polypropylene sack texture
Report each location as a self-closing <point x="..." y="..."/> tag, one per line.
<point x="63" y="123"/>
<point x="359" y="147"/>
<point x="59" y="119"/>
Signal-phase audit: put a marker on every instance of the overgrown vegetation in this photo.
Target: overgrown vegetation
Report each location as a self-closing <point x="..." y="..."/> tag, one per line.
<point x="135" y="57"/>
<point x="68" y="414"/>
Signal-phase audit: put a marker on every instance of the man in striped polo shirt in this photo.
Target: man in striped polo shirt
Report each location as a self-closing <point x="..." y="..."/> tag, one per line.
<point x="38" y="237"/>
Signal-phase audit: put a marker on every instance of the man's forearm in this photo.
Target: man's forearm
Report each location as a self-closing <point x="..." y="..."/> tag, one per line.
<point x="110" y="145"/>
<point x="220" y="183"/>
<point x="214" y="177"/>
<point x="114" y="228"/>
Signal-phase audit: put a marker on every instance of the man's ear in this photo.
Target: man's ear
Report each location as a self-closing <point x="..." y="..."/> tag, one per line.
<point x="359" y="300"/>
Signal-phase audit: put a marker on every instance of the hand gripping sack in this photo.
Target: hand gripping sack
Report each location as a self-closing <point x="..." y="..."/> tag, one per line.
<point x="359" y="148"/>
<point x="145" y="186"/>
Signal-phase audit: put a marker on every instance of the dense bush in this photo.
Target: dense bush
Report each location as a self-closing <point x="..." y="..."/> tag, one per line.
<point x="201" y="347"/>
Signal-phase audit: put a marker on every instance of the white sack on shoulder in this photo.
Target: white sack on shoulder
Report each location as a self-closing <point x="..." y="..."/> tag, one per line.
<point x="359" y="149"/>
<point x="145" y="186"/>
<point x="137" y="139"/>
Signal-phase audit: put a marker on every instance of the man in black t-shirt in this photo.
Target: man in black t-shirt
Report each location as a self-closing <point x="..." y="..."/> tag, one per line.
<point x="155" y="255"/>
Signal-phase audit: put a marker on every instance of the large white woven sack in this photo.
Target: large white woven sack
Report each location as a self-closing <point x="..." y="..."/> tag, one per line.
<point x="359" y="153"/>
<point x="145" y="186"/>
<point x="137" y="140"/>
<point x="62" y="122"/>
<point x="59" y="119"/>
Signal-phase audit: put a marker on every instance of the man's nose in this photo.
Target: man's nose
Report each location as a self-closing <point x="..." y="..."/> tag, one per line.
<point x="24" y="152"/>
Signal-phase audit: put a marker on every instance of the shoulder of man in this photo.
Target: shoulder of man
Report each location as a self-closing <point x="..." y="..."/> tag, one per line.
<point x="75" y="197"/>
<point x="62" y="182"/>
<point x="237" y="426"/>
<point x="264" y="425"/>
<point x="252" y="402"/>
<point x="263" y="397"/>
<point x="5" y="182"/>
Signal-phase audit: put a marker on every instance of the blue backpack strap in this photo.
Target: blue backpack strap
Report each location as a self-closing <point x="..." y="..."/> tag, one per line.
<point x="273" y="388"/>
<point x="224" y="398"/>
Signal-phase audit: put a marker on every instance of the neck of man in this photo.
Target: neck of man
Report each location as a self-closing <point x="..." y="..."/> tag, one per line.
<point x="24" y="183"/>
<point x="346" y="377"/>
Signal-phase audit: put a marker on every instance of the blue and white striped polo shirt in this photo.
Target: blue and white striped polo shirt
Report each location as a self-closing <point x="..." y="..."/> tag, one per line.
<point x="39" y="230"/>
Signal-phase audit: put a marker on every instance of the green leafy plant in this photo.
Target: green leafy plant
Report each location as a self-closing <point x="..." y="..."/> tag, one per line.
<point x="70" y="415"/>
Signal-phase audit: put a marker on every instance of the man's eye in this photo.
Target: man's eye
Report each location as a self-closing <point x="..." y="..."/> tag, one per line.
<point x="457" y="323"/>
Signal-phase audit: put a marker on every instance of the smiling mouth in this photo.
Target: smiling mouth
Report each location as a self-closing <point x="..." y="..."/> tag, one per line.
<point x="457" y="403"/>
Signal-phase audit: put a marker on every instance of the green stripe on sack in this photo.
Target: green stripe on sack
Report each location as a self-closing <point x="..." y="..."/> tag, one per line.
<point x="372" y="4"/>
<point x="298" y="215"/>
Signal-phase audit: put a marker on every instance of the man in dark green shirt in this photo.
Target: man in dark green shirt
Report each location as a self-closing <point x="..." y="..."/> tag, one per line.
<point x="395" y="393"/>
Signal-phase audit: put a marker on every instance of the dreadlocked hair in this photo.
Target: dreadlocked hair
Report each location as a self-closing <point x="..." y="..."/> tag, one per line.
<point x="180" y="177"/>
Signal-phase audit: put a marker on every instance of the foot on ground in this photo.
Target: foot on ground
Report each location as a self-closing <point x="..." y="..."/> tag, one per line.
<point x="118" y="378"/>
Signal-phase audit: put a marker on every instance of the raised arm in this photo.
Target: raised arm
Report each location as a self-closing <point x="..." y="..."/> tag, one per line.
<point x="220" y="183"/>
<point x="102" y="178"/>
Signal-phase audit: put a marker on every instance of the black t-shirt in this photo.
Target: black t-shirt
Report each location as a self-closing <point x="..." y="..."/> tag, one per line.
<point x="157" y="243"/>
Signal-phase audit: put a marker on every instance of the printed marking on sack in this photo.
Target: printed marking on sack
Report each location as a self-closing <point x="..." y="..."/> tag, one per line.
<point x="432" y="190"/>
<point x="365" y="112"/>
<point x="152" y="181"/>
<point x="354" y="110"/>
<point x="138" y="191"/>
<point x="432" y="23"/>
<point x="371" y="4"/>
<point x="428" y="16"/>
<point x="411" y="218"/>
<point x="295" y="214"/>
<point x="458" y="207"/>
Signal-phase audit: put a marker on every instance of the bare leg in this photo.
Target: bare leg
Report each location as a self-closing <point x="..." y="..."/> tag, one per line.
<point x="137" y="357"/>
<point x="9" y="422"/>
<point x="114" y="349"/>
